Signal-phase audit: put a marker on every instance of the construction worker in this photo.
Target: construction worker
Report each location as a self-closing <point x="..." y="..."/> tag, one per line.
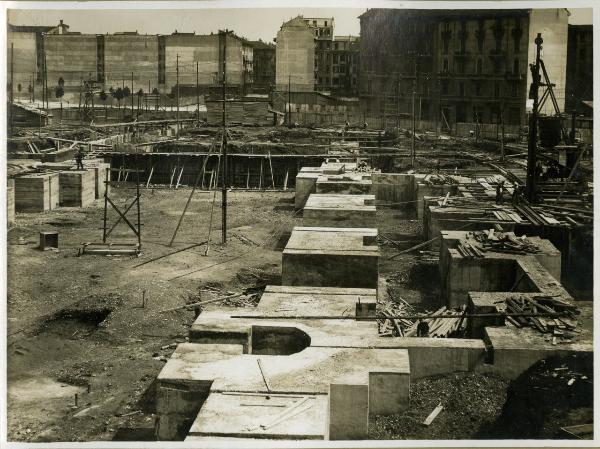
<point x="500" y="192"/>
<point x="422" y="328"/>
<point x="516" y="196"/>
<point x="79" y="159"/>
<point x="365" y="125"/>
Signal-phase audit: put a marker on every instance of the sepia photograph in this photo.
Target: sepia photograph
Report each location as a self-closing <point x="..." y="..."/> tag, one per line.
<point x="288" y="225"/>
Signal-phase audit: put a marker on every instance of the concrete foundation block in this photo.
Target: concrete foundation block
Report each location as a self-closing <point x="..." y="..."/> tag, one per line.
<point x="348" y="411"/>
<point x="389" y="392"/>
<point x="306" y="183"/>
<point x="77" y="187"/>
<point x="36" y="192"/>
<point x="10" y="201"/>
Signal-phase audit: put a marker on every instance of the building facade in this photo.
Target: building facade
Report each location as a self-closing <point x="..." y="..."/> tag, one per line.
<point x="463" y="66"/>
<point x="264" y="65"/>
<point x="129" y="59"/>
<point x="580" y="76"/>
<point x="295" y="56"/>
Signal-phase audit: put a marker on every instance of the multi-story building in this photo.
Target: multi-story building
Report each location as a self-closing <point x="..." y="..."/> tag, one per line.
<point x="463" y="65"/>
<point x="295" y="56"/>
<point x="26" y="62"/>
<point x="336" y="58"/>
<point x="137" y="61"/>
<point x="338" y="66"/>
<point x="580" y="76"/>
<point x="263" y="64"/>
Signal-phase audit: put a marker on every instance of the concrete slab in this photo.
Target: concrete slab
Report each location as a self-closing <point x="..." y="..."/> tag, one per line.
<point x="496" y="271"/>
<point x="262" y="416"/>
<point x="331" y="257"/>
<point x="306" y="183"/>
<point x="349" y="183"/>
<point x="340" y="211"/>
<point x="515" y="350"/>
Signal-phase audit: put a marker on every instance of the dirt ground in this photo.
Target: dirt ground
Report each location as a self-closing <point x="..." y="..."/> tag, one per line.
<point x="76" y="325"/>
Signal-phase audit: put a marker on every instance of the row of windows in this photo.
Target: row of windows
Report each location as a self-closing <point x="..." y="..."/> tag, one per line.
<point x="497" y="64"/>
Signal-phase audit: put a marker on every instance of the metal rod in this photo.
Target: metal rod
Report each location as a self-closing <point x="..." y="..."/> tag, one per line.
<point x="396" y="317"/>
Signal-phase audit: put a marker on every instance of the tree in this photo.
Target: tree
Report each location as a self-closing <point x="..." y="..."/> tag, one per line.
<point x="103" y="98"/>
<point x="19" y="87"/>
<point x="140" y="94"/>
<point x="59" y="92"/>
<point x="30" y="91"/>
<point x="155" y="92"/>
<point x="118" y="95"/>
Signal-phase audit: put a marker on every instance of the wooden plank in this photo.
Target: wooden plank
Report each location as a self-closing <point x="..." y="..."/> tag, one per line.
<point x="436" y="411"/>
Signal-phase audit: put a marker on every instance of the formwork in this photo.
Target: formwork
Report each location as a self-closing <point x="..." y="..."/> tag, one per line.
<point x="77" y="187"/>
<point x="331" y="257"/>
<point x="340" y="211"/>
<point x="36" y="192"/>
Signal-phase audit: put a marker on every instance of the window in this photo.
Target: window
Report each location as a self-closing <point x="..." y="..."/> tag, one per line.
<point x="336" y="46"/>
<point x="444" y="87"/>
<point x="516" y="66"/>
<point x="479" y="66"/>
<point x="445" y="65"/>
<point x="326" y="23"/>
<point x="461" y="89"/>
<point x="515" y="89"/>
<point x="496" y="90"/>
<point x="335" y="59"/>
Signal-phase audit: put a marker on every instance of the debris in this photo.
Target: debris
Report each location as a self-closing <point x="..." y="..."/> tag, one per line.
<point x="436" y="411"/>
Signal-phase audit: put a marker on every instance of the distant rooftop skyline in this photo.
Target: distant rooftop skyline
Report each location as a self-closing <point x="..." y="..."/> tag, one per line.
<point x="251" y="23"/>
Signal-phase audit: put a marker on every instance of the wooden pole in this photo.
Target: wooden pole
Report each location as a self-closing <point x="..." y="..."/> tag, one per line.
<point x="225" y="174"/>
<point x="177" y="113"/>
<point x="197" y="97"/>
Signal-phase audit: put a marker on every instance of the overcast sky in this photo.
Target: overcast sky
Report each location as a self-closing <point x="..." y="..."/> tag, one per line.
<point x="251" y="23"/>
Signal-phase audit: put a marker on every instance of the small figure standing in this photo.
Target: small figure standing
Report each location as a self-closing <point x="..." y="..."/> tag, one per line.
<point x="516" y="196"/>
<point x="365" y="125"/>
<point x="422" y="329"/>
<point x="79" y="159"/>
<point x="500" y="192"/>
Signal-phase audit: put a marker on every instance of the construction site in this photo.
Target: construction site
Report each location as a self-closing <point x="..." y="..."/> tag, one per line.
<point x="213" y="265"/>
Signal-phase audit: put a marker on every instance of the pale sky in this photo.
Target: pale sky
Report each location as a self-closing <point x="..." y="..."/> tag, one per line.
<point x="252" y="23"/>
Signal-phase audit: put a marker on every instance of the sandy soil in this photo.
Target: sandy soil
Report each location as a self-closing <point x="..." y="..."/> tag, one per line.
<point x="76" y="325"/>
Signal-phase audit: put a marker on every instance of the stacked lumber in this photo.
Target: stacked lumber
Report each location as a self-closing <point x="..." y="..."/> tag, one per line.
<point x="391" y="326"/>
<point x="505" y="215"/>
<point x="469" y="250"/>
<point x="440" y="327"/>
<point x="77" y="187"/>
<point x="559" y="324"/>
<point x="504" y="242"/>
<point x="37" y="192"/>
<point x="439" y="179"/>
<point x="10" y="201"/>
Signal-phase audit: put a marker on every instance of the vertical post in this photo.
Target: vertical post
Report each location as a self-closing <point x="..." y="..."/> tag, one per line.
<point x="398" y="106"/>
<point x="532" y="144"/>
<point x="502" y="155"/>
<point x="289" y="100"/>
<point x="46" y="82"/>
<point x="177" y="113"/>
<point x="106" y="178"/>
<point x="224" y="174"/>
<point x="137" y="191"/>
<point x="12" y="85"/>
<point x="197" y="97"/>
<point x="132" y="94"/>
<point x="413" y="150"/>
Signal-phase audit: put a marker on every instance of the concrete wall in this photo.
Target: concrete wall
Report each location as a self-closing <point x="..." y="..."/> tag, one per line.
<point x="24" y="65"/>
<point x="553" y="24"/>
<point x="72" y="57"/>
<point x="295" y="57"/>
<point x="124" y="54"/>
<point x="205" y="51"/>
